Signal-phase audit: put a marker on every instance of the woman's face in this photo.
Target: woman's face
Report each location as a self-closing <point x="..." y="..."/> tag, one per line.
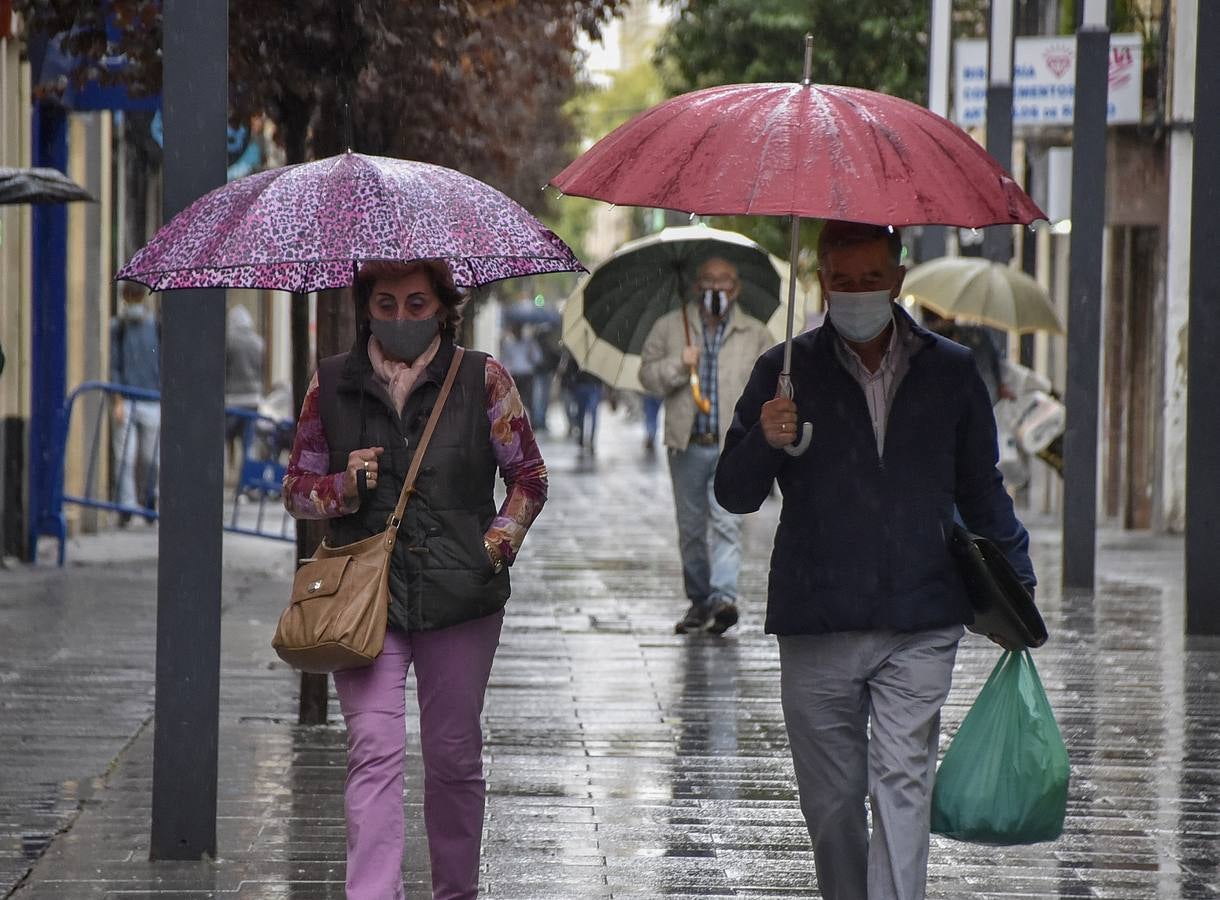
<point x="409" y="296"/>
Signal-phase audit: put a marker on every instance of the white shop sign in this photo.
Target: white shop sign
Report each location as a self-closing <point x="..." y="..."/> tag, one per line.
<point x="1044" y="80"/>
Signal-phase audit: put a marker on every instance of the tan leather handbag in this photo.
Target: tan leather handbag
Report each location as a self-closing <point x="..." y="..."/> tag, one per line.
<point x="336" y="618"/>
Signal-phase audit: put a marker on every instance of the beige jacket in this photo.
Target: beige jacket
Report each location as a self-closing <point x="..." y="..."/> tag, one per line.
<point x="662" y="372"/>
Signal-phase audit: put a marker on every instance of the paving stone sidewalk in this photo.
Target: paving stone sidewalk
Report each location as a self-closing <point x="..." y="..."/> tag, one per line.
<point x="622" y="760"/>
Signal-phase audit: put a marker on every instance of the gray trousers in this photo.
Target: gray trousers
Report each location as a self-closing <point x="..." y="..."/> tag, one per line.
<point x="835" y="688"/>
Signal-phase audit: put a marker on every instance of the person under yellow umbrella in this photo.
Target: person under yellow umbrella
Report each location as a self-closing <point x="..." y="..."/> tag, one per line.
<point x="977" y="291"/>
<point x="958" y="294"/>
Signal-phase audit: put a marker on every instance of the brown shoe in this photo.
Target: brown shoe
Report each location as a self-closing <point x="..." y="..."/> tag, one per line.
<point x="698" y="618"/>
<point x="724" y="617"/>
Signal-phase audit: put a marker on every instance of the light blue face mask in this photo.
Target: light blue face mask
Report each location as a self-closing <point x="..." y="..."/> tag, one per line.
<point x="859" y="316"/>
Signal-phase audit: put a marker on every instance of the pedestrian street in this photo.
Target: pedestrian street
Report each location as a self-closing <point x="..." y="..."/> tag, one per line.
<point x="626" y="761"/>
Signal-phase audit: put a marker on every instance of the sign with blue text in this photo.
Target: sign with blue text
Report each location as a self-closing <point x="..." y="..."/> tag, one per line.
<point x="1044" y="81"/>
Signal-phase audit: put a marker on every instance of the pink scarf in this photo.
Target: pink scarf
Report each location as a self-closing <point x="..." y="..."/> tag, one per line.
<point x="399" y="377"/>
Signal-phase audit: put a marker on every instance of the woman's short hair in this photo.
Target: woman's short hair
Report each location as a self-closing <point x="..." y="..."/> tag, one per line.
<point x="837" y="233"/>
<point x="438" y="274"/>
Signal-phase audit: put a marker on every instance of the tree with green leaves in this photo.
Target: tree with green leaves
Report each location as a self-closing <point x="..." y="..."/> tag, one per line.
<point x="881" y="45"/>
<point x="478" y="85"/>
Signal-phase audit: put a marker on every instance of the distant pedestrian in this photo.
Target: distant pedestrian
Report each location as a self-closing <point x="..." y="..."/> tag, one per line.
<point x="584" y="391"/>
<point x="550" y="354"/>
<point x="978" y="340"/>
<point x="245" y="356"/>
<point x="723" y="344"/>
<point x="521" y="355"/>
<point x="864" y="596"/>
<point x="135" y="362"/>
<point x="363" y="415"/>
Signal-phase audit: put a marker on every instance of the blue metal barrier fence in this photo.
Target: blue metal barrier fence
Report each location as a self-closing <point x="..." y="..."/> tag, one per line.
<point x="132" y="418"/>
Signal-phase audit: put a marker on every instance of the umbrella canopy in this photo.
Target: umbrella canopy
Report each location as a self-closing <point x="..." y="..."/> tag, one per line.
<point x="609" y="315"/>
<point x="818" y="151"/>
<point x="303" y="228"/>
<point x="39" y="186"/>
<point x="974" y="290"/>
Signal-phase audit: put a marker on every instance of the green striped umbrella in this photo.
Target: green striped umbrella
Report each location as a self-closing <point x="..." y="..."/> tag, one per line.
<point x="609" y="315"/>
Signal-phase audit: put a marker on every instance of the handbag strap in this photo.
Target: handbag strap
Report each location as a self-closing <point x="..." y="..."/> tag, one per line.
<point x="408" y="486"/>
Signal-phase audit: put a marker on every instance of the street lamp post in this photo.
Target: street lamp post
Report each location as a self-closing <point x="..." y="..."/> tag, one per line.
<point x="1203" y="348"/>
<point x="932" y="238"/>
<point x="997" y="240"/>
<point x="186" y="715"/>
<point x="1084" y="297"/>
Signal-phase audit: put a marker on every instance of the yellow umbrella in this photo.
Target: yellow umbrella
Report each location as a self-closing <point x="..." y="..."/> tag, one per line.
<point x="979" y="291"/>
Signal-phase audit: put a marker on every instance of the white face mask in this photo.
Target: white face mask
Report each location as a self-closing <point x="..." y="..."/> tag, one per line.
<point x="859" y="317"/>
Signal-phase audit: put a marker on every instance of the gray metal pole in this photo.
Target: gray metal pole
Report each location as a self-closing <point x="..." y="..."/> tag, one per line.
<point x="1085" y="305"/>
<point x="997" y="240"/>
<point x="194" y="100"/>
<point x="940" y="21"/>
<point x="1203" y="387"/>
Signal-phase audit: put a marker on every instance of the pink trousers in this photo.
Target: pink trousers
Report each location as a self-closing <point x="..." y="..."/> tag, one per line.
<point x="452" y="666"/>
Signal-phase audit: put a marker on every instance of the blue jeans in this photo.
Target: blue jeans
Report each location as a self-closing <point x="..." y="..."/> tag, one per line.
<point x="652" y="412"/>
<point x="136" y="443"/>
<point x="709" y="537"/>
<point x="587" y="397"/>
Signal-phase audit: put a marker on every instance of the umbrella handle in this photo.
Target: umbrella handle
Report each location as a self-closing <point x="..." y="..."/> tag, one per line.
<point x="784" y="389"/>
<point x="704" y="404"/>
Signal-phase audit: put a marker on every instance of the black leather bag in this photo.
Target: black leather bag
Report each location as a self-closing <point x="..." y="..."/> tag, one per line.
<point x="1004" y="609"/>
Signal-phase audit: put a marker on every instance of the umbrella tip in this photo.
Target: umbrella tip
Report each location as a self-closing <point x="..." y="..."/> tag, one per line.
<point x="807" y="78"/>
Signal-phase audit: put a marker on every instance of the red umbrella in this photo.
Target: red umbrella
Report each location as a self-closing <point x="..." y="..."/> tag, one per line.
<point x="800" y="150"/>
<point x="812" y="150"/>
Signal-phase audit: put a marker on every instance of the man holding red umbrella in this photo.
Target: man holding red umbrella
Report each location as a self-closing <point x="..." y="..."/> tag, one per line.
<point x="864" y="596"/>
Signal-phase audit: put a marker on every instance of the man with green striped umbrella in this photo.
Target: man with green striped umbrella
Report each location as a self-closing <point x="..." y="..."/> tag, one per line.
<point x="698" y="358"/>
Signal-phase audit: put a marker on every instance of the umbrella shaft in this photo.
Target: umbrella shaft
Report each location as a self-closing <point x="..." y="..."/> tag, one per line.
<point x="794" y="249"/>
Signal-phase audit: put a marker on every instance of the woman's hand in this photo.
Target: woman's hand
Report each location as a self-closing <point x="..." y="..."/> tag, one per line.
<point x="778" y="421"/>
<point x="361" y="461"/>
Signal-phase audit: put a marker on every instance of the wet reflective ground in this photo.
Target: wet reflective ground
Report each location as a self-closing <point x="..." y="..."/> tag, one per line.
<point x="626" y="761"/>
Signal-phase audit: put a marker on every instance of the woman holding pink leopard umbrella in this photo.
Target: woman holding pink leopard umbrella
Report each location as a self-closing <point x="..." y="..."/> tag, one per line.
<point x="361" y="422"/>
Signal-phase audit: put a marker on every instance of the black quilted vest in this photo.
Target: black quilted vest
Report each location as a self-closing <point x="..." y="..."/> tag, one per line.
<point x="440" y="574"/>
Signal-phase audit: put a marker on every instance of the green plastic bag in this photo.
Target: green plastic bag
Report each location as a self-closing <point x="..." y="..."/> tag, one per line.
<point x="1004" y="778"/>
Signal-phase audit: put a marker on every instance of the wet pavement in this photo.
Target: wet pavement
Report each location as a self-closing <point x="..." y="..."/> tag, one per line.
<point x="622" y="760"/>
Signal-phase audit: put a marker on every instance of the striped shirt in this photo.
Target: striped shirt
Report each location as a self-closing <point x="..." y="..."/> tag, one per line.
<point x="879" y="386"/>
<point x="709" y="375"/>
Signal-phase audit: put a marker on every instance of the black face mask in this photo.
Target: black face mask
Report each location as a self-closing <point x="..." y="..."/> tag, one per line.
<point x="405" y="339"/>
<point x="715" y="302"/>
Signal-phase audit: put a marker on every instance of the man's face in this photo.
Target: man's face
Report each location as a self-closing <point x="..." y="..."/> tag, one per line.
<point x="861" y="267"/>
<point x="718" y="275"/>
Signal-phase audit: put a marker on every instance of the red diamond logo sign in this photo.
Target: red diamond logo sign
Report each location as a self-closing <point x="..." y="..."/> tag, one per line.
<point x="1058" y="60"/>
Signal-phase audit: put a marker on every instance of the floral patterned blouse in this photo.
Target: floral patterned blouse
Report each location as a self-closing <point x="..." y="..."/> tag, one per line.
<point x="312" y="492"/>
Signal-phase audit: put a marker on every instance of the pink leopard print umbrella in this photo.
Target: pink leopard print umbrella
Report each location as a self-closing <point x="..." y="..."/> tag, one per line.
<point x="302" y="228"/>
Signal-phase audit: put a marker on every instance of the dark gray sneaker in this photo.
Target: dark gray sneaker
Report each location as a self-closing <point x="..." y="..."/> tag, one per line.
<point x="724" y="617"/>
<point x="698" y="618"/>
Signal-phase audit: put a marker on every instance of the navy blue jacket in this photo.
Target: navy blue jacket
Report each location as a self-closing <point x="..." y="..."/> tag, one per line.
<point x="862" y="541"/>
